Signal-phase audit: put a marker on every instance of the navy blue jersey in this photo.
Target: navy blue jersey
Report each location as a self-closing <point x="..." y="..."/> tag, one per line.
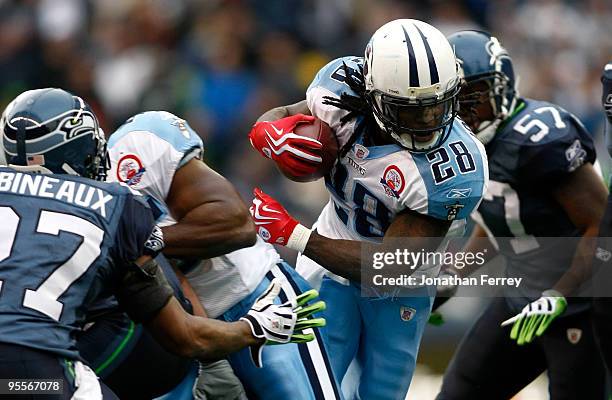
<point x="531" y="153"/>
<point x="64" y="240"/>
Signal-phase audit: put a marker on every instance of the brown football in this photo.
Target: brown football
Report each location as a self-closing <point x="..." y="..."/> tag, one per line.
<point x="320" y="131"/>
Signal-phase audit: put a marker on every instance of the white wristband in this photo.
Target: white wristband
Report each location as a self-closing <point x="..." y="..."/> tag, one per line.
<point x="299" y="238"/>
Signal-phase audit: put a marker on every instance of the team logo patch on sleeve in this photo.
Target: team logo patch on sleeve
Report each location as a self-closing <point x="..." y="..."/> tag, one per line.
<point x="155" y="243"/>
<point x="130" y="169"/>
<point x="393" y="181"/>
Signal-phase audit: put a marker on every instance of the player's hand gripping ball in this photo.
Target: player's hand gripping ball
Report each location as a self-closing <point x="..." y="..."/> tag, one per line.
<point x="303" y="147"/>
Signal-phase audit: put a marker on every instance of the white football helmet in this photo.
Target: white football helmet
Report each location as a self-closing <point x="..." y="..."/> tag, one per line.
<point x="412" y="82"/>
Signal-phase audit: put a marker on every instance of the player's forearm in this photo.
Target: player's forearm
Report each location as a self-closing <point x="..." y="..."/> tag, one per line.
<point x="212" y="340"/>
<point x="209" y="231"/>
<point x="478" y="243"/>
<point x="196" y="337"/>
<point x="583" y="186"/>
<point x="285" y="111"/>
<point x="190" y="294"/>
<point x="342" y="257"/>
<point x="580" y="270"/>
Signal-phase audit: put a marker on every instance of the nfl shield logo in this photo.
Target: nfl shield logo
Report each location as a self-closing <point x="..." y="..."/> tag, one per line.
<point x="574" y="335"/>
<point x="361" y="152"/>
<point x="407" y="313"/>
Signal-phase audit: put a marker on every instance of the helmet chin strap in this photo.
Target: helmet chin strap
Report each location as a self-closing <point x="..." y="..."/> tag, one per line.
<point x="36" y="169"/>
<point x="486" y="129"/>
<point x="407" y="141"/>
<point x="69" y="170"/>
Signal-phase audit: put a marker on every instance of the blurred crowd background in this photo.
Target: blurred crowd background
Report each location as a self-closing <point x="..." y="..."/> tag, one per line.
<point x="220" y="64"/>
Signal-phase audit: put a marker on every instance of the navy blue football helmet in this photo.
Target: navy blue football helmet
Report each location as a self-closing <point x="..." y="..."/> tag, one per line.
<point x="482" y="59"/>
<point x="53" y="131"/>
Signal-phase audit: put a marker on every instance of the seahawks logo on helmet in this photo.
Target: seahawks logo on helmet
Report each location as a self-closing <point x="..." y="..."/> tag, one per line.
<point x="57" y="126"/>
<point x="495" y="50"/>
<point x="77" y="124"/>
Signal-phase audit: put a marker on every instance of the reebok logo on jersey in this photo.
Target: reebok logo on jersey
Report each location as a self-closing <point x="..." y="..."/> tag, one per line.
<point x="459" y="193"/>
<point x="575" y="155"/>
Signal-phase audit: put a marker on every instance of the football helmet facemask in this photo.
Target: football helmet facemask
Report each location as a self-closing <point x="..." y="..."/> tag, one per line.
<point x="489" y="78"/>
<point x="412" y="83"/>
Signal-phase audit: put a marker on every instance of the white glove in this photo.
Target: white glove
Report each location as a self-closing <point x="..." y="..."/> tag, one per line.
<point x="274" y="322"/>
<point x="536" y="317"/>
<point x="282" y="323"/>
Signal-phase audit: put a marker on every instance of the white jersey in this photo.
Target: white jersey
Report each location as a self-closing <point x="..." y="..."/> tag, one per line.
<point x="145" y="153"/>
<point x="372" y="184"/>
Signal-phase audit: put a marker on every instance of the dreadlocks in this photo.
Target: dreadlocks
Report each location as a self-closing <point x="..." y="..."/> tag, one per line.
<point x="357" y="106"/>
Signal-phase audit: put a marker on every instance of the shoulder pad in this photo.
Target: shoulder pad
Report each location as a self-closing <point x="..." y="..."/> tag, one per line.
<point x="167" y="126"/>
<point x="553" y="142"/>
<point x="540" y="123"/>
<point x="329" y="82"/>
<point x="455" y="175"/>
<point x="332" y="76"/>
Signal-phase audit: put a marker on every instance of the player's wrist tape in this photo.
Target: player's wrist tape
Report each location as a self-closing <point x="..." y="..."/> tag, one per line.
<point x="299" y="238"/>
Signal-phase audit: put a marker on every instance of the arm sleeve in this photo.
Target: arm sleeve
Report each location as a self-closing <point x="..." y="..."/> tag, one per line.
<point x="141" y="291"/>
<point x="135" y="228"/>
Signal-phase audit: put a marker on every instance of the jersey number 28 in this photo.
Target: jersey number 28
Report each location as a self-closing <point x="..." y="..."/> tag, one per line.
<point x="441" y="166"/>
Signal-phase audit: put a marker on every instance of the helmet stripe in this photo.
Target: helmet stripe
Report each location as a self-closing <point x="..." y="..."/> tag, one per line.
<point x="413" y="72"/>
<point x="433" y="69"/>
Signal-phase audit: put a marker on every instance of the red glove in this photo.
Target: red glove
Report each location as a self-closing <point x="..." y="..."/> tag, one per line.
<point x="275" y="225"/>
<point x="298" y="155"/>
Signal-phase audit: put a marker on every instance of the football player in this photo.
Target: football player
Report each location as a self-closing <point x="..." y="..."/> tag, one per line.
<point x="602" y="304"/>
<point x="66" y="237"/>
<point x="543" y="184"/>
<point x="407" y="168"/>
<point x="203" y="217"/>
